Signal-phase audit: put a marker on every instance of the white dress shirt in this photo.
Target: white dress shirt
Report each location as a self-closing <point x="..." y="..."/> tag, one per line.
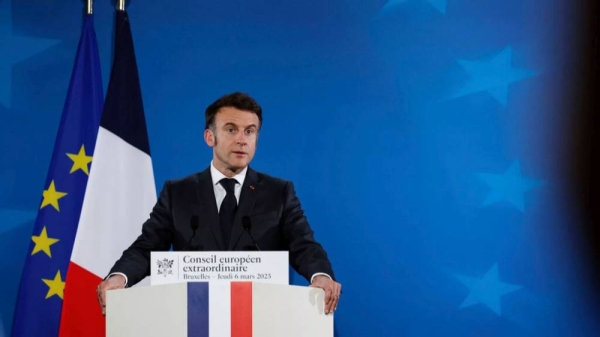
<point x="220" y="190"/>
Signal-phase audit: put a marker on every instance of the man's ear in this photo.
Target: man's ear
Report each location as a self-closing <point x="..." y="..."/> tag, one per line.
<point x="209" y="137"/>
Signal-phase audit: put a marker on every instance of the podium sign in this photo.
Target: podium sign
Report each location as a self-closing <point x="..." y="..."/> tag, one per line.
<point x="177" y="267"/>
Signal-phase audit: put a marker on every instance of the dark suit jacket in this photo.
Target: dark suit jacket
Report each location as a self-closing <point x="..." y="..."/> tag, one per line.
<point x="278" y="223"/>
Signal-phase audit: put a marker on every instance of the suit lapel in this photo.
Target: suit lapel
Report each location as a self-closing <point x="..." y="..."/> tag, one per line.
<point x="245" y="206"/>
<point x="208" y="206"/>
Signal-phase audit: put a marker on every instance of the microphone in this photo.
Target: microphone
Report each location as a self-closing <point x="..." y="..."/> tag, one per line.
<point x="247" y="224"/>
<point x="194" y="224"/>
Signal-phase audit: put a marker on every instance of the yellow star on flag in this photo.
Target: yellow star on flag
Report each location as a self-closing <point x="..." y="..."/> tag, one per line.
<point x="51" y="196"/>
<point x="80" y="161"/>
<point x="43" y="243"/>
<point x="55" y="287"/>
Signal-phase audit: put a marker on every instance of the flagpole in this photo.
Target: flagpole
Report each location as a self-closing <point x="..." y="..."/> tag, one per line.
<point x="120" y="5"/>
<point x="90" y="5"/>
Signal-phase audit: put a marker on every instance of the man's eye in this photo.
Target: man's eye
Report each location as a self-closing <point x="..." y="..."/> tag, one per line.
<point x="249" y="131"/>
<point x="230" y="130"/>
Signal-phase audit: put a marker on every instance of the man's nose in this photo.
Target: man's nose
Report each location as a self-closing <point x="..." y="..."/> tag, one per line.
<point x="242" y="139"/>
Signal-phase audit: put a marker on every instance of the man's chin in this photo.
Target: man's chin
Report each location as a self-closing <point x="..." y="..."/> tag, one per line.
<point x="238" y="165"/>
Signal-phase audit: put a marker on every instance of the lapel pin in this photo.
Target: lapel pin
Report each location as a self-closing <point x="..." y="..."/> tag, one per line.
<point x="251" y="187"/>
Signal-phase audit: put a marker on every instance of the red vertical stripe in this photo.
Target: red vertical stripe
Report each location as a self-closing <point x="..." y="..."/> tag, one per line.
<point x="241" y="309"/>
<point x="81" y="314"/>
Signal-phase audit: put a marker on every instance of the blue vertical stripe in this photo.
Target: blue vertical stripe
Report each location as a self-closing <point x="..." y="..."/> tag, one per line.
<point x="124" y="109"/>
<point x="198" y="309"/>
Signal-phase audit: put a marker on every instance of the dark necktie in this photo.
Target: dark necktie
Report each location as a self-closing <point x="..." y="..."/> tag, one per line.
<point x="228" y="209"/>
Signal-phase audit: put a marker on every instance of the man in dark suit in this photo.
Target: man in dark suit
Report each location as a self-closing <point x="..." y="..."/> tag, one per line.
<point x="204" y="211"/>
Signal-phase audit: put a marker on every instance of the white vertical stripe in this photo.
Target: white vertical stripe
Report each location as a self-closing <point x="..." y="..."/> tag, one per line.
<point x="118" y="199"/>
<point x="219" y="304"/>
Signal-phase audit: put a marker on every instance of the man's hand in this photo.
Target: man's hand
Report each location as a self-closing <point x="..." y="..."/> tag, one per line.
<point x="113" y="282"/>
<point x="332" y="292"/>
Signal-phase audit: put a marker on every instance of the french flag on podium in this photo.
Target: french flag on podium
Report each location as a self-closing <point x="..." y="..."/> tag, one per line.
<point x="218" y="309"/>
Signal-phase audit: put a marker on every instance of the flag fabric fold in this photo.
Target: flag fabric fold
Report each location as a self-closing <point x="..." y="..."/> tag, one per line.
<point x="120" y="192"/>
<point x="42" y="288"/>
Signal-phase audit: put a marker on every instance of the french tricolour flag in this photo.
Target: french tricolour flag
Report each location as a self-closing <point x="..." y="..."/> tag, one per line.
<point x="120" y="191"/>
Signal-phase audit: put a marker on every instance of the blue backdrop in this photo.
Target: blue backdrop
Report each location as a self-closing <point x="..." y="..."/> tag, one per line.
<point x="425" y="139"/>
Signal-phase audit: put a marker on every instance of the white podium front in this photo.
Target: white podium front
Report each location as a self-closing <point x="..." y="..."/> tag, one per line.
<point x="202" y="309"/>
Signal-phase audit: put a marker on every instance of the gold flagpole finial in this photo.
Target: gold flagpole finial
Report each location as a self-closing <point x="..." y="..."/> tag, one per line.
<point x="121" y="5"/>
<point x="90" y="7"/>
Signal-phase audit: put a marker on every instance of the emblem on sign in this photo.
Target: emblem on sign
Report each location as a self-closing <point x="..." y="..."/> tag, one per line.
<point x="165" y="267"/>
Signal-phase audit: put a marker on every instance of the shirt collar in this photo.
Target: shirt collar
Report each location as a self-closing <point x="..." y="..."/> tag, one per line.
<point x="217" y="176"/>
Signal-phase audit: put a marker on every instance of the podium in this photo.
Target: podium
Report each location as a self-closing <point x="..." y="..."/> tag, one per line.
<point x="203" y="309"/>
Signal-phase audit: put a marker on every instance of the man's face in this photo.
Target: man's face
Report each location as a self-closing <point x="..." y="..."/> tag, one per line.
<point x="233" y="139"/>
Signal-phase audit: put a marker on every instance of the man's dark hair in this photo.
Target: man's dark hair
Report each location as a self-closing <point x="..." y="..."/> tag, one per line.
<point x="238" y="100"/>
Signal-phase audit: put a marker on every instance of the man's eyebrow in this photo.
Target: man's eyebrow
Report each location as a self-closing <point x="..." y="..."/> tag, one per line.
<point x="235" y="125"/>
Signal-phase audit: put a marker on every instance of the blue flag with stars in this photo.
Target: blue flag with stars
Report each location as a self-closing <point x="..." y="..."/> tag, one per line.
<point x="42" y="287"/>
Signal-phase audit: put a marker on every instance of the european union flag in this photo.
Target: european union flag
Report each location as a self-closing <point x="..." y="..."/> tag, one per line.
<point x="43" y="281"/>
